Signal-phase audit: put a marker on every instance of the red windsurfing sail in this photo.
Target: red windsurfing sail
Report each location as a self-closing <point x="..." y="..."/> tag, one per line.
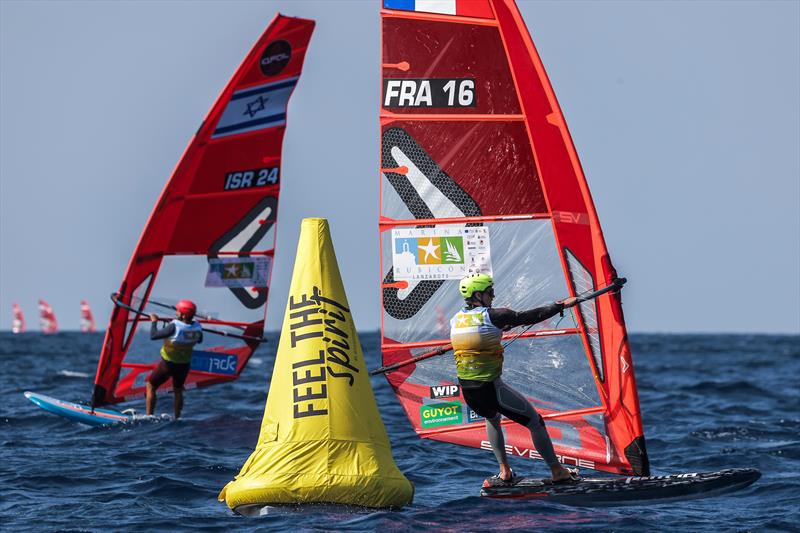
<point x="47" y="318"/>
<point x="479" y="174"/>
<point x="18" y="320"/>
<point x="87" y="318"/>
<point x="211" y="235"/>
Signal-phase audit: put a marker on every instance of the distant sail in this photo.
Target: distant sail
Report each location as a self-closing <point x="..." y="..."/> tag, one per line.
<point x="47" y="318"/>
<point x="18" y="322"/>
<point x="87" y="318"/>
<point x="211" y="235"/>
<point x="479" y="174"/>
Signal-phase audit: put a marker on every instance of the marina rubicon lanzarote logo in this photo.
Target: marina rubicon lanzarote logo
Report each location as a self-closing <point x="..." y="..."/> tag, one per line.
<point x="440" y="252"/>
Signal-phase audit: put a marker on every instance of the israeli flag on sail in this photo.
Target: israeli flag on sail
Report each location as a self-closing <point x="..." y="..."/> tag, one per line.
<point x="256" y="108"/>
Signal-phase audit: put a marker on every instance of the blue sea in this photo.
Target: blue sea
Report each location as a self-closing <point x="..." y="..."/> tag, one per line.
<point x="709" y="401"/>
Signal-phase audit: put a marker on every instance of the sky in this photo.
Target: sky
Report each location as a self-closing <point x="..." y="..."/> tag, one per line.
<point x="686" y="117"/>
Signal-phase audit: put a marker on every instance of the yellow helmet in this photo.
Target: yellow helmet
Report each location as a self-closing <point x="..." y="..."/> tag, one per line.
<point x="474" y="283"/>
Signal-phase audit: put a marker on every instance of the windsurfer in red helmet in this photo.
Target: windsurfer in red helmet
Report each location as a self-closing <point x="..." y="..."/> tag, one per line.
<point x="180" y="336"/>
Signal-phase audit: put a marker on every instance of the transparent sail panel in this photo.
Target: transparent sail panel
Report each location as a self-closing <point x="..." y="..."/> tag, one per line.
<point x="393" y="206"/>
<point x="553" y="372"/>
<point x="138" y="304"/>
<point x="585" y="435"/>
<point x="582" y="282"/>
<point x="219" y="308"/>
<point x="526" y="270"/>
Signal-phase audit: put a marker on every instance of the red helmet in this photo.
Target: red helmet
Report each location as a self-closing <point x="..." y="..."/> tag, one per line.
<point x="186" y="307"/>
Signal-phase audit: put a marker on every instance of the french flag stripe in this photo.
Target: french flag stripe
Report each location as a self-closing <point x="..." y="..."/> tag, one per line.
<point x="467" y="8"/>
<point x="445" y="7"/>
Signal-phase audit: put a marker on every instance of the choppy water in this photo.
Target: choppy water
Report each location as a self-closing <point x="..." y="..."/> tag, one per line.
<point x="709" y="402"/>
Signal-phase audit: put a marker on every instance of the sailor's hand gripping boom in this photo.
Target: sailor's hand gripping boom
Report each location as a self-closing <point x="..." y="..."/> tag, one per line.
<point x="614" y="286"/>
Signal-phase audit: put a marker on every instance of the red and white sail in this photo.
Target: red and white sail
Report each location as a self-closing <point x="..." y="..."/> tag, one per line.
<point x="47" y="318"/>
<point x="211" y="235"/>
<point x="18" y="319"/>
<point x="479" y="174"/>
<point x="87" y="318"/>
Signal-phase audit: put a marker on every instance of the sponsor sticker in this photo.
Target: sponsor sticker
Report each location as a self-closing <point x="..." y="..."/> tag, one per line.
<point x="275" y="57"/>
<point x="238" y="271"/>
<point x="440" y="414"/>
<point x="472" y="416"/>
<point x="445" y="391"/>
<point x="440" y="252"/>
<point x="217" y="363"/>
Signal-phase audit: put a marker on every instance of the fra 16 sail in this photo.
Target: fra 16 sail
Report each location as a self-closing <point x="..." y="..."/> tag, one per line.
<point x="479" y="173"/>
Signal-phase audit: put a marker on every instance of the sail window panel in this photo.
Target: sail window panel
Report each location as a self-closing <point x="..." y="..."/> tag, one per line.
<point x="532" y="372"/>
<point x="437" y="50"/>
<point x="582" y="282"/>
<point x="137" y="303"/>
<point x="185" y="277"/>
<point x="392" y="205"/>
<point x="585" y="435"/>
<point x="553" y="372"/>
<point x="525" y="266"/>
<point x="433" y="371"/>
<point x="246" y="163"/>
<point x="442" y="169"/>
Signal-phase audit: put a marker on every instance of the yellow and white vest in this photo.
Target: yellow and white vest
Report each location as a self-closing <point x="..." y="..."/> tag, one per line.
<point x="178" y="347"/>
<point x="476" y="345"/>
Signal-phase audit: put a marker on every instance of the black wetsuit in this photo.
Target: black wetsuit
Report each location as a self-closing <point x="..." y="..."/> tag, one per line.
<point x="507" y="318"/>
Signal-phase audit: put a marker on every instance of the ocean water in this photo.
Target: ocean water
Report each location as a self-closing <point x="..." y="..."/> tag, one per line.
<point x="709" y="402"/>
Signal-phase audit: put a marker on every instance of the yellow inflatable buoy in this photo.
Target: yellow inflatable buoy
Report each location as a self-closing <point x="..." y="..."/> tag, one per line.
<point x="322" y="438"/>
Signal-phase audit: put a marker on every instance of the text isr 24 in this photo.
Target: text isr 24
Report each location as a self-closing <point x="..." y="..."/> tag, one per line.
<point x="245" y="179"/>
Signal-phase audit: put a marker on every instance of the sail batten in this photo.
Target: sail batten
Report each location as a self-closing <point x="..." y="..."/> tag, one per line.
<point x="479" y="174"/>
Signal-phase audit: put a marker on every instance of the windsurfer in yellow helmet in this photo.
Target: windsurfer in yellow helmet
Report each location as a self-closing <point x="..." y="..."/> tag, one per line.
<point x="180" y="336"/>
<point x="475" y="333"/>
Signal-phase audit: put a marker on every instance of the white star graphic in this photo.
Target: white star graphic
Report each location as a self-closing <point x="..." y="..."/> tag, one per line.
<point x="232" y="270"/>
<point x="462" y="320"/>
<point x="430" y="250"/>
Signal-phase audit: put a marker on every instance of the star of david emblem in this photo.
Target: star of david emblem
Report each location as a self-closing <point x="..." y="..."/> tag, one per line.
<point x="254" y="107"/>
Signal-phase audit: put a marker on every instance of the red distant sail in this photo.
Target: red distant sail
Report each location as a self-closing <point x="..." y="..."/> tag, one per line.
<point x="18" y="322"/>
<point x="47" y="318"/>
<point x="211" y="235"/>
<point x="87" y="318"/>
<point x="479" y="174"/>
